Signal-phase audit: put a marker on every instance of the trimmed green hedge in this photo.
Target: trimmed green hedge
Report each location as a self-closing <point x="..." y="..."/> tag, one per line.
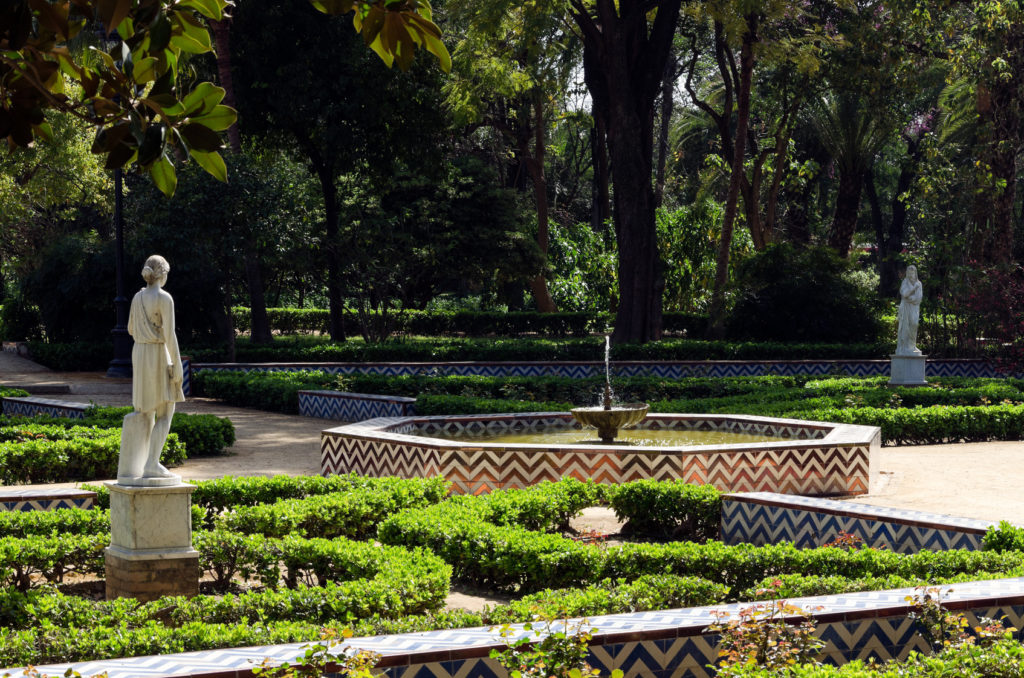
<point x="508" y="557"/>
<point x="33" y="453"/>
<point x="673" y="509"/>
<point x="202" y="435"/>
<point x="1004" y="659"/>
<point x="317" y="349"/>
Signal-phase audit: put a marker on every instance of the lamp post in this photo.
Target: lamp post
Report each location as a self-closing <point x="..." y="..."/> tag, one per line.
<point x="121" y="365"/>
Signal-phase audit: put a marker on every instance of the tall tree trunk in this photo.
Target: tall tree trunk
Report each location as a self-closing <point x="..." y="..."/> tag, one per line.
<point x="844" y="221"/>
<point x="222" y="41"/>
<point x="259" y="323"/>
<point x="535" y="168"/>
<point x="994" y="217"/>
<point x="623" y="61"/>
<point x="716" y="327"/>
<point x="602" y="208"/>
<point x="665" y="119"/>
<point x="331" y="246"/>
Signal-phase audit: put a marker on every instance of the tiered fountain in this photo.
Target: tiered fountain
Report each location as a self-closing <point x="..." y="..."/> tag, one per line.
<point x="608" y="418"/>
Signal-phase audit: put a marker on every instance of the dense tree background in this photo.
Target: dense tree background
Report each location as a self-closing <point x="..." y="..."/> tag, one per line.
<point x="632" y="157"/>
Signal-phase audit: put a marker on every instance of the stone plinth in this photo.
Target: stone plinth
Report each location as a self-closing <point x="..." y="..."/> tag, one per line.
<point x="150" y="553"/>
<point x="907" y="370"/>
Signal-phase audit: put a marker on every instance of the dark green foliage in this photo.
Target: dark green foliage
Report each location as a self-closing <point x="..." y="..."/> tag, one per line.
<point x="216" y="496"/>
<point x="1003" y="659"/>
<point x="73" y="287"/>
<point x="60" y="521"/>
<point x="791" y="294"/>
<point x="354" y="514"/>
<point x="30" y="561"/>
<point x="288" y="321"/>
<point x="204" y="435"/>
<point x="932" y="425"/>
<point x="668" y="510"/>
<point x="508" y="557"/>
<point x="1005" y="537"/>
<point x="85" y="356"/>
<point x="318" y="349"/>
<point x="649" y="592"/>
<point x="33" y="453"/>
<point x="19" y="321"/>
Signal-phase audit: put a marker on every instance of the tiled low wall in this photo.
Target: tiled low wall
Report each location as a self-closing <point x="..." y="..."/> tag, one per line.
<point x="344" y="406"/>
<point x="624" y="368"/>
<point x="767" y="518"/>
<point x="31" y="406"/>
<point x="36" y="499"/>
<point x="662" y="644"/>
<point x="186" y="378"/>
<point x="831" y="459"/>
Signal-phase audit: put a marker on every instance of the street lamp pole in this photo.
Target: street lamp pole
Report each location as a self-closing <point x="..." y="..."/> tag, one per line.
<point x="121" y="365"/>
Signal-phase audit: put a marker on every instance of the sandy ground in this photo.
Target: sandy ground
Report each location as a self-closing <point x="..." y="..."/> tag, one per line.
<point x="975" y="480"/>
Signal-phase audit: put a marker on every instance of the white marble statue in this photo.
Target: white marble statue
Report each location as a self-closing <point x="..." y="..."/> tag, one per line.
<point x="909" y="313"/>
<point x="156" y="380"/>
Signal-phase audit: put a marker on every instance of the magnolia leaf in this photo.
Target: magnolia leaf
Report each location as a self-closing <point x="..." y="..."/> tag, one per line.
<point x="219" y="119"/>
<point x="145" y="70"/>
<point x="152" y="144"/>
<point x="334" y="6"/>
<point x="372" y="23"/>
<point x="387" y="57"/>
<point x="187" y="44"/>
<point x="201" y="138"/>
<point x="203" y="98"/>
<point x="212" y="9"/>
<point x="212" y="163"/>
<point x="163" y="175"/>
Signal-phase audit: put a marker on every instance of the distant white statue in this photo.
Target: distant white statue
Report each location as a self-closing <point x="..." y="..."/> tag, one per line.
<point x="909" y="314"/>
<point x="156" y="380"/>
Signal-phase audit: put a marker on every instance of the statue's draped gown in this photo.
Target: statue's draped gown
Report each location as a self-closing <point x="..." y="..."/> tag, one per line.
<point x="149" y="322"/>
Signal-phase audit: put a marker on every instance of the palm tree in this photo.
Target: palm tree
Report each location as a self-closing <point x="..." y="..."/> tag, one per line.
<point x="853" y="133"/>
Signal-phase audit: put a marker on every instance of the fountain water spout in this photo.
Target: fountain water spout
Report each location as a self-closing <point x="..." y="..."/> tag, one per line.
<point x="608" y="419"/>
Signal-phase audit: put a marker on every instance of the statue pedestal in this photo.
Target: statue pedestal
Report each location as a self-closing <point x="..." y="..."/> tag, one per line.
<point x="907" y="370"/>
<point x="150" y="553"/>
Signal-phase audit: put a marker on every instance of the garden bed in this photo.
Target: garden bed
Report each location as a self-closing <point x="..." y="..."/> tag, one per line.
<point x="379" y="555"/>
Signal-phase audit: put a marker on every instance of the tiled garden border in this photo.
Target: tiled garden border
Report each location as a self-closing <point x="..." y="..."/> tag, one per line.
<point x="39" y="499"/>
<point x="30" y="406"/>
<point x="624" y="368"/>
<point x="832" y="459"/>
<point x="344" y="406"/>
<point x="661" y="644"/>
<point x="768" y="518"/>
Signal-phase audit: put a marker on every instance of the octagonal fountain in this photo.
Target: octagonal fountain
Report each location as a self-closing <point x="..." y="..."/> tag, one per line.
<point x="809" y="458"/>
<point x="735" y="453"/>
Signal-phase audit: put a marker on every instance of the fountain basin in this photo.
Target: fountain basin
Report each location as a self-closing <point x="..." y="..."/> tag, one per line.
<point x="608" y="421"/>
<point x="813" y="458"/>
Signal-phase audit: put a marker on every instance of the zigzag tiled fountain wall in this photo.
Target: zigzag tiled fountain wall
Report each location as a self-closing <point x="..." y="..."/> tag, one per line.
<point x="815" y="458"/>
<point x="767" y="518"/>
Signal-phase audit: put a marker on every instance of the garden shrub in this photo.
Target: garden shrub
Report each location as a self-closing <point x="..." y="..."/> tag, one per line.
<point x="786" y="293"/>
<point x="354" y="514"/>
<point x="31" y="561"/>
<point x="60" y="521"/>
<point x="649" y="592"/>
<point x="318" y="349"/>
<point x="675" y="510"/>
<point x="1003" y="659"/>
<point x="85" y="454"/>
<point x="204" y="435"/>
